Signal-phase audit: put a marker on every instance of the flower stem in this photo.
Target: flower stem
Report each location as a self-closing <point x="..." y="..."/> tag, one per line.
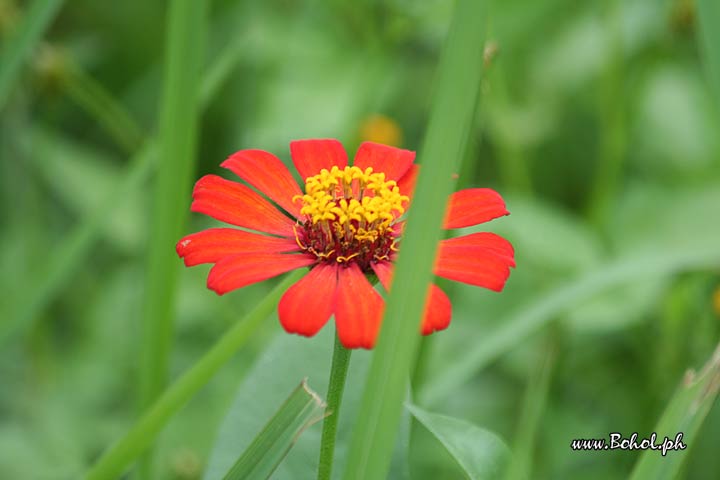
<point x="338" y="374"/>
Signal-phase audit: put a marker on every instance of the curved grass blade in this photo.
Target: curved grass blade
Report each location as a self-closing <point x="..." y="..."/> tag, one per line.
<point x="446" y="139"/>
<point x="301" y="409"/>
<point x="36" y="21"/>
<point x="685" y="413"/>
<point x="532" y="318"/>
<point x="480" y="453"/>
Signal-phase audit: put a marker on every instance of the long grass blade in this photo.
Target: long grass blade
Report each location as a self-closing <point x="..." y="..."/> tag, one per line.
<point x="709" y="37"/>
<point x="119" y="457"/>
<point x="532" y="318"/>
<point x="177" y="143"/>
<point x="450" y="122"/>
<point x="684" y="414"/>
<point x="26" y="37"/>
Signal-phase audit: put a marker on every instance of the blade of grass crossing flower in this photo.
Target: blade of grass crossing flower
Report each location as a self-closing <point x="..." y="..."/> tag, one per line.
<point x="520" y="325"/>
<point x="70" y="252"/>
<point x="685" y="413"/>
<point x="27" y="35"/>
<point x="458" y="83"/>
<point x="117" y="459"/>
<point x="709" y="37"/>
<point x="480" y="453"/>
<point x="301" y="409"/>
<point x="177" y="143"/>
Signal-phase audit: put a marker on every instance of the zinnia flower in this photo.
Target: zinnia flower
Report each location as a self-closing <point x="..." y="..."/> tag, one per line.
<point x="347" y="224"/>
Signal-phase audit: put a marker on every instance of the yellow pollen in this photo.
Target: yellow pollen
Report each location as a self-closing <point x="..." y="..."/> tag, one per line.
<point x="361" y="202"/>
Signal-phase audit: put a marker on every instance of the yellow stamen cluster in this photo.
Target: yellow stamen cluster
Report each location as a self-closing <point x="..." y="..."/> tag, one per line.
<point x="349" y="210"/>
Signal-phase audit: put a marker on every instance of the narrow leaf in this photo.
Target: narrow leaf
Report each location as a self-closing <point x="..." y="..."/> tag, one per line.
<point x="709" y="37"/>
<point x="301" y="409"/>
<point x="684" y="414"/>
<point x="480" y="453"/>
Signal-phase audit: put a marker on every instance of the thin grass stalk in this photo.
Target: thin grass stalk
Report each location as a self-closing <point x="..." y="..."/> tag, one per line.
<point x="450" y="123"/>
<point x="25" y="38"/>
<point x="178" y="138"/>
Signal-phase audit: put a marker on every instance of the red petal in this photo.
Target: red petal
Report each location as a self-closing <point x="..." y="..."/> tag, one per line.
<point x="268" y="174"/>
<point x="240" y="270"/>
<point x="358" y="309"/>
<point x="307" y="305"/>
<point x="311" y="156"/>
<point x="393" y="162"/>
<point x="473" y="206"/>
<point x="482" y="259"/>
<point x="438" y="309"/>
<point x="211" y="245"/>
<point x="407" y="183"/>
<point x="239" y="205"/>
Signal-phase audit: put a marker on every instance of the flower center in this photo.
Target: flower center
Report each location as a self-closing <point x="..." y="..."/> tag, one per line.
<point x="350" y="215"/>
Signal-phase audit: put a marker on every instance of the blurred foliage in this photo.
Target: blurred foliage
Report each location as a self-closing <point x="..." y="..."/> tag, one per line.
<point x="596" y="123"/>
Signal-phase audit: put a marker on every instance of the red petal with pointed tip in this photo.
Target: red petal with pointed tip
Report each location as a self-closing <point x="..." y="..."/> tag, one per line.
<point x="311" y="156"/>
<point x="407" y="184"/>
<point x="307" y="305"/>
<point x="393" y="162"/>
<point x="268" y="174"/>
<point x="209" y="246"/>
<point x="239" y="205"/>
<point x="473" y="206"/>
<point x="482" y="259"/>
<point x="438" y="309"/>
<point x="243" y="269"/>
<point x="358" y="309"/>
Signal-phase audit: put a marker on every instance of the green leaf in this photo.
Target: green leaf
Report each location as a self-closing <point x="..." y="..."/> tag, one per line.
<point x="28" y="34"/>
<point x="445" y="143"/>
<point x="480" y="453"/>
<point x="301" y="409"/>
<point x="685" y="413"/>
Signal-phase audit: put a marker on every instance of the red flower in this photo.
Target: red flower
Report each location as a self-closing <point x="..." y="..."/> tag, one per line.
<point x="346" y="224"/>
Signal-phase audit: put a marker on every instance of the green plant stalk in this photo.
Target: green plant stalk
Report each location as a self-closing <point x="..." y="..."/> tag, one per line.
<point x="445" y="142"/>
<point x="98" y="103"/>
<point x="27" y="35"/>
<point x="70" y="252"/>
<point x="178" y="137"/>
<point x="709" y="39"/>
<point x="117" y="459"/>
<point x="336" y="386"/>
<point x="613" y="143"/>
<point x="520" y="325"/>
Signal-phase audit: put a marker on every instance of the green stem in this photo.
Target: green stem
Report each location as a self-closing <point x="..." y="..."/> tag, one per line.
<point x="116" y="460"/>
<point x="338" y="374"/>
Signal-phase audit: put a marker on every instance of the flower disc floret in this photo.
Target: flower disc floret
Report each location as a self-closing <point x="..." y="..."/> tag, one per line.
<point x="349" y="214"/>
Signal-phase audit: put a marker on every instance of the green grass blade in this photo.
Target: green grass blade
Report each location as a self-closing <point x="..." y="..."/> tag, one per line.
<point x="685" y="413"/>
<point x="301" y="409"/>
<point x="178" y="137"/>
<point x="536" y="315"/>
<point x="26" y="37"/>
<point x="445" y="142"/>
<point x="117" y="459"/>
<point x="480" y="453"/>
<point x="709" y="36"/>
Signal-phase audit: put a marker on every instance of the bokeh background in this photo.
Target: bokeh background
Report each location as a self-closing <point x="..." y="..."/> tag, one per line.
<point x="596" y="122"/>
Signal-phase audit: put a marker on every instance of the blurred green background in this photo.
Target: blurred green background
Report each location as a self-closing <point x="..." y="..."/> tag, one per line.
<point x="597" y="123"/>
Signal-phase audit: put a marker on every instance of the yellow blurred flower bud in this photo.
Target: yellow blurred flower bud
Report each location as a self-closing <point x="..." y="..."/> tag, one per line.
<point x="381" y="129"/>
